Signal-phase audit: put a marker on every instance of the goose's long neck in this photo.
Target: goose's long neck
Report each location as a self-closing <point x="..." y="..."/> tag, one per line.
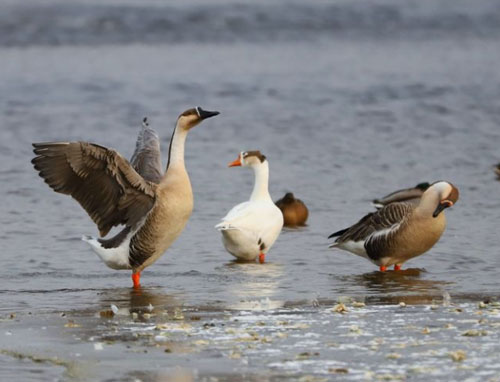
<point x="261" y="186"/>
<point x="428" y="203"/>
<point x="176" y="150"/>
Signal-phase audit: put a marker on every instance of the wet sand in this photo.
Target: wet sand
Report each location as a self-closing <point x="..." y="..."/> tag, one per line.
<point x="267" y="340"/>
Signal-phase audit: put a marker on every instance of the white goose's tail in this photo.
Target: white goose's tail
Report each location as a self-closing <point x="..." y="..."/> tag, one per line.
<point x="225" y="226"/>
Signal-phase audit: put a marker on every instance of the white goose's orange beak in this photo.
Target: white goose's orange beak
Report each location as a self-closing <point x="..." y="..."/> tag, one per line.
<point x="235" y="163"/>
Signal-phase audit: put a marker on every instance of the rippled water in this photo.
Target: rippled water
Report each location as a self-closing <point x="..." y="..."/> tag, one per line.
<point x="348" y="101"/>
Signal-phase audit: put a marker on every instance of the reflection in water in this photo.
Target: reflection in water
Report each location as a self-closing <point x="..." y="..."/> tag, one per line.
<point x="143" y="299"/>
<point x="402" y="286"/>
<point x="176" y="374"/>
<point x="257" y="285"/>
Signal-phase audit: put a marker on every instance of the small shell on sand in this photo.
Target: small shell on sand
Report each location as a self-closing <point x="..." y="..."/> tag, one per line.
<point x="358" y="304"/>
<point x="475" y="333"/>
<point x="338" y="370"/>
<point x="393" y="356"/>
<point x="106" y="313"/>
<point x="71" y="324"/>
<point x="340" y="308"/>
<point x="458" y="356"/>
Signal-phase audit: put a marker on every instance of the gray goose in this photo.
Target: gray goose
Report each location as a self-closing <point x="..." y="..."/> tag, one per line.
<point x="399" y="231"/>
<point x="152" y="205"/>
<point x="412" y="195"/>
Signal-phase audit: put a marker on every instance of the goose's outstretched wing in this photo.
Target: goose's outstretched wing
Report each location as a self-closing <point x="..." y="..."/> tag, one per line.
<point x="146" y="159"/>
<point x="100" y="179"/>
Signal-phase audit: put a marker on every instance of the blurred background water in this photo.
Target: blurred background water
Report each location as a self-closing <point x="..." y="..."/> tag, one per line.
<point x="349" y="100"/>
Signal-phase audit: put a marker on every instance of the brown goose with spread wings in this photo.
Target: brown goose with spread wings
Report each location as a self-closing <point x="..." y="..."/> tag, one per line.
<point x="399" y="231"/>
<point x="152" y="206"/>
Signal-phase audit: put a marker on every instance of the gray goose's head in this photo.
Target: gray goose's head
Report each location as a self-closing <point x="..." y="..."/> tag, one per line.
<point x="192" y="117"/>
<point x="447" y="195"/>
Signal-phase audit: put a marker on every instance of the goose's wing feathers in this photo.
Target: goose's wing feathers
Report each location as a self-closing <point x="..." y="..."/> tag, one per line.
<point x="100" y="179"/>
<point x="383" y="222"/>
<point x="404" y="195"/>
<point x="263" y="220"/>
<point x="252" y="216"/>
<point x="146" y="159"/>
<point x="238" y="212"/>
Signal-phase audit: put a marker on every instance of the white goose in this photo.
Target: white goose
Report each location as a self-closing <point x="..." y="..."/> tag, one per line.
<point x="250" y="229"/>
<point x="153" y="206"/>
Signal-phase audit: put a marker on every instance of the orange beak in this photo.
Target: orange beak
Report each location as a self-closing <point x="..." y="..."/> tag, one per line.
<point x="235" y="163"/>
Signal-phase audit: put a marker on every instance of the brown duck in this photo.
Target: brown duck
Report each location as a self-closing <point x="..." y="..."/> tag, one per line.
<point x="295" y="212"/>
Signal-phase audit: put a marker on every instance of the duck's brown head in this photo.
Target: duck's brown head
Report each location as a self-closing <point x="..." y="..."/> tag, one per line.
<point x="288" y="198"/>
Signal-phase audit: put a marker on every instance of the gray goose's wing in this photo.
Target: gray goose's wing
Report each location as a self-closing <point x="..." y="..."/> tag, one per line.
<point x="100" y="179"/>
<point x="376" y="228"/>
<point x="146" y="159"/>
<point x="406" y="194"/>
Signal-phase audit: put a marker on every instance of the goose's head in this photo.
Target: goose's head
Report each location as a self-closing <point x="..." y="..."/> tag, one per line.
<point x="447" y="195"/>
<point x="192" y="117"/>
<point x="249" y="159"/>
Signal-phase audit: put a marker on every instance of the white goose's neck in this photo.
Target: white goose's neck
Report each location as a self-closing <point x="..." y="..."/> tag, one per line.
<point x="261" y="186"/>
<point x="176" y="153"/>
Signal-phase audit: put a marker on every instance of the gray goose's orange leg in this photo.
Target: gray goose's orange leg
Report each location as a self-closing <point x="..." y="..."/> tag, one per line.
<point x="136" y="278"/>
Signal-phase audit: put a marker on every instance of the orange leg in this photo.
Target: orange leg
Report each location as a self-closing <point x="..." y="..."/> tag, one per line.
<point x="383" y="268"/>
<point x="397" y="267"/>
<point x="136" y="278"/>
<point x="262" y="258"/>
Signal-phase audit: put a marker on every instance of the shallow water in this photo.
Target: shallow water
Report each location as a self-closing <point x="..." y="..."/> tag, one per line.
<point x="346" y="110"/>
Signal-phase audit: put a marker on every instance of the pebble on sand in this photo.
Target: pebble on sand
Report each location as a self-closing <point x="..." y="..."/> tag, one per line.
<point x="338" y="370"/>
<point x="340" y="308"/>
<point x="458" y="356"/>
<point x="475" y="333"/>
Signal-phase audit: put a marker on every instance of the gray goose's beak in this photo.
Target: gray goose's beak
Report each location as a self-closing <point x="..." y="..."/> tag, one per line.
<point x="442" y="206"/>
<point x="204" y="114"/>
